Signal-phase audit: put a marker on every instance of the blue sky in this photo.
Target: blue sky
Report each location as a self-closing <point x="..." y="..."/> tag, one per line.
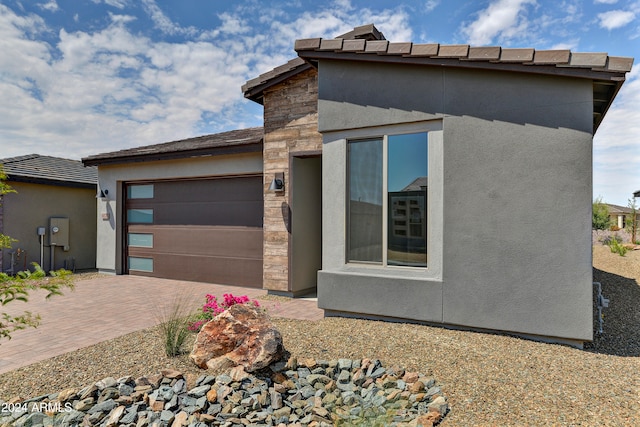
<point x="81" y="77"/>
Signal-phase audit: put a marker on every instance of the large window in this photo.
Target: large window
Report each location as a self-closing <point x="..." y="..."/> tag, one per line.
<point x="387" y="215"/>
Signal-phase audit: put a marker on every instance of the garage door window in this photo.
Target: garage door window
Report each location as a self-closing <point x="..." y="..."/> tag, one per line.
<point x="140" y="216"/>
<point x="140" y="240"/>
<point x="144" y="191"/>
<point x="141" y="264"/>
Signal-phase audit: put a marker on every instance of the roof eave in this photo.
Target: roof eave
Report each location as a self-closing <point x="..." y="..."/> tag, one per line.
<point x="173" y="155"/>
<point x="54" y="182"/>
<point x="256" y="93"/>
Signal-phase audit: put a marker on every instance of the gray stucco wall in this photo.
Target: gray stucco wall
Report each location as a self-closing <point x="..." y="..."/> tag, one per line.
<point x="31" y="207"/>
<point x="515" y="197"/>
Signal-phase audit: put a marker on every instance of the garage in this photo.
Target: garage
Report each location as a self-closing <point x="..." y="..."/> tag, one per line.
<point x="204" y="229"/>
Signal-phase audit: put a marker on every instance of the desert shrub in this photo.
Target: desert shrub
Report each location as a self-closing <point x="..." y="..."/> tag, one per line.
<point x="174" y="324"/>
<point x="616" y="246"/>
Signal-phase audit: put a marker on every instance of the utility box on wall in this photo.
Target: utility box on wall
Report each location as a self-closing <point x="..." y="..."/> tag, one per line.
<point x="59" y="232"/>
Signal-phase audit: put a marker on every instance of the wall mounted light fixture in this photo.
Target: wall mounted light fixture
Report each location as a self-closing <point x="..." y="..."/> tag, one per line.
<point x="102" y="194"/>
<point x="277" y="184"/>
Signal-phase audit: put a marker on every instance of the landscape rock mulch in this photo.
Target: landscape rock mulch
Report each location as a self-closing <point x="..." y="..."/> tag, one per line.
<point x="306" y="393"/>
<point x="488" y="379"/>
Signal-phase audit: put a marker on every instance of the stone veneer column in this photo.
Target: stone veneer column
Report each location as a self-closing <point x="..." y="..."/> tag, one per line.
<point x="290" y="126"/>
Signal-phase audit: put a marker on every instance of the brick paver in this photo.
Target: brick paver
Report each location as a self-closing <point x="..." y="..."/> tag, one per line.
<point x="106" y="307"/>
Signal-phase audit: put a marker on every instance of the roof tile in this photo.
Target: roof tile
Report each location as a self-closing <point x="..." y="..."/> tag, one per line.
<point x="399" y="48"/>
<point x="307" y="44"/>
<point x="356" y="45"/>
<point x="453" y="51"/>
<point x="430" y="49"/>
<point x="619" y="63"/>
<point x="585" y="59"/>
<point x="331" y="44"/>
<point x="552" y="57"/>
<point x="484" y="53"/>
<point x="376" y="46"/>
<point x="517" y="55"/>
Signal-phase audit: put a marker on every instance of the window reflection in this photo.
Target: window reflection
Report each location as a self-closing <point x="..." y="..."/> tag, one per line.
<point x="407" y="182"/>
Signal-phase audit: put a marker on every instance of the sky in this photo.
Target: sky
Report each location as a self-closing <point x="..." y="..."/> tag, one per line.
<point x="83" y="77"/>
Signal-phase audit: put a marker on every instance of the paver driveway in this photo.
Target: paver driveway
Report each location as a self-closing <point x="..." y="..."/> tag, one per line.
<point x="106" y="307"/>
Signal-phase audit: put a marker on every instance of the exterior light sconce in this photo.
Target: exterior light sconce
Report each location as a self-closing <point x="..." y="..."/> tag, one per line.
<point x="102" y="194"/>
<point x="277" y="185"/>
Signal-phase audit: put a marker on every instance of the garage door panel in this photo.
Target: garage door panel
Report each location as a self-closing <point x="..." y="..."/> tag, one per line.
<point x="242" y="242"/>
<point x="248" y="213"/>
<point x="229" y="189"/>
<point x="211" y="269"/>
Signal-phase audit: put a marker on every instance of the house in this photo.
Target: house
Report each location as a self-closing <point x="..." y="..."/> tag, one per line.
<point x="618" y="215"/>
<point x="52" y="214"/>
<point x="375" y="180"/>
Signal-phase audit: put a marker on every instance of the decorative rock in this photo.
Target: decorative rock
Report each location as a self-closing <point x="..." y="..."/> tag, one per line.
<point x="241" y="335"/>
<point x="324" y="395"/>
<point x="114" y="416"/>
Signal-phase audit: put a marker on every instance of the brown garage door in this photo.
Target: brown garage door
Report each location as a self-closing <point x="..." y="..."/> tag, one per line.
<point x="207" y="230"/>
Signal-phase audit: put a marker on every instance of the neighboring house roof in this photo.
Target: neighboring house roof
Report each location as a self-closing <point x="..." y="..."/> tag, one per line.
<point x="38" y="169"/>
<point x="606" y="72"/>
<point x="254" y="88"/>
<point x="232" y="142"/>
<point x="636" y="194"/>
<point x="618" y="210"/>
<point x="418" y="184"/>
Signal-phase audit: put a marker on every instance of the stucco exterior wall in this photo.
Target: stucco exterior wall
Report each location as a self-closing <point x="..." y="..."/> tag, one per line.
<point x="31" y="207"/>
<point x="290" y="126"/>
<point x="515" y="197"/>
<point x="112" y="177"/>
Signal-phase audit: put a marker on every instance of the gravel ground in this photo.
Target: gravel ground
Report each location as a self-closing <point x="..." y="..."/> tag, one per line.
<point x="488" y="379"/>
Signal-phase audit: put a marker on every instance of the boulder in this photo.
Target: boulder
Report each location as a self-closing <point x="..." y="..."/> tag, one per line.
<point x="242" y="335"/>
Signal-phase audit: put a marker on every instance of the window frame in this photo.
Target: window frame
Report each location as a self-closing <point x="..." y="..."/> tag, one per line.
<point x="384" y="230"/>
<point x="335" y="199"/>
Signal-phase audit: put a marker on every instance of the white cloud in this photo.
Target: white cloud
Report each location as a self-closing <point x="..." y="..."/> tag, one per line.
<point x="120" y="4"/>
<point x="430" y="5"/>
<point x="51" y="6"/>
<point x="615" y="19"/>
<point x="605" y="1"/>
<point x="503" y="19"/>
<point x="110" y="88"/>
<point x="162" y="21"/>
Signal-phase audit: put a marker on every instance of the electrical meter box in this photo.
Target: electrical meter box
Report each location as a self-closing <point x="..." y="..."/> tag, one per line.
<point x="59" y="232"/>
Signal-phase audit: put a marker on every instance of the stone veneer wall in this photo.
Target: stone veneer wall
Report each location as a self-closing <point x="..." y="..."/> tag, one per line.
<point x="290" y="126"/>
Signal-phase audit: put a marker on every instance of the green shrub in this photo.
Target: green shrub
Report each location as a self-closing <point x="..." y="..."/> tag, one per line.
<point x="18" y="288"/>
<point x="617" y="247"/>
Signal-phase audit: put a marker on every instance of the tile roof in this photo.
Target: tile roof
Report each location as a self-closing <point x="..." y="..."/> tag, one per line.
<point x="606" y="72"/>
<point x="49" y="170"/>
<point x="231" y="142"/>
<point x="254" y="88"/>
<point x="465" y="55"/>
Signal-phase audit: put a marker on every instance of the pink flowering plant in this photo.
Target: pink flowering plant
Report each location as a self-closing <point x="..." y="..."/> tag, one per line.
<point x="212" y="308"/>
